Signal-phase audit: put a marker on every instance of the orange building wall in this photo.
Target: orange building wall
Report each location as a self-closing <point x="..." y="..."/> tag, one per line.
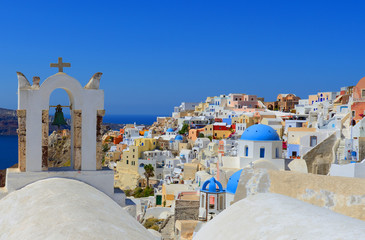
<point x="358" y="106"/>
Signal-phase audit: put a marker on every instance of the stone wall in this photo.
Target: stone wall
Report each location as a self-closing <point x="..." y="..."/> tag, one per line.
<point x="186" y="210"/>
<point x="45" y="132"/>
<point x="77" y="141"/>
<point x="2" y="178"/>
<point x="22" y="136"/>
<point x="361" y="149"/>
<point x="339" y="194"/>
<point x="99" y="136"/>
<point x="320" y="158"/>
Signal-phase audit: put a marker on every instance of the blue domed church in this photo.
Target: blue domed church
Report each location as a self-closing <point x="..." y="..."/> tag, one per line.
<point x="260" y="143"/>
<point x="212" y="199"/>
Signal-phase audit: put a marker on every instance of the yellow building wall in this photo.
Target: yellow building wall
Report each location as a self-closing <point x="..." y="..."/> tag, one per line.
<point x="201" y="107"/>
<point x="165" y="196"/>
<point x="129" y="161"/>
<point x="145" y="144"/>
<point x="221" y="134"/>
<point x="294" y="134"/>
<point x="249" y="121"/>
<point x="208" y="130"/>
<point x="237" y="120"/>
<point x="113" y="156"/>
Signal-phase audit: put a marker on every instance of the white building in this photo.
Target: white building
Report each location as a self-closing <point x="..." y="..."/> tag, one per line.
<point x="260" y="142"/>
<point x="186" y="155"/>
<point x="240" y="128"/>
<point x="201" y="143"/>
<point x="186" y="106"/>
<point x="130" y="134"/>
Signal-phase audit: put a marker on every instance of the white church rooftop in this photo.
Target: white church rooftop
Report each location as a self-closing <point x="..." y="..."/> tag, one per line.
<point x="59" y="208"/>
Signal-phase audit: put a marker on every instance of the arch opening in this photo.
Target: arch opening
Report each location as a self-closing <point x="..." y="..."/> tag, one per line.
<point x="59" y="136"/>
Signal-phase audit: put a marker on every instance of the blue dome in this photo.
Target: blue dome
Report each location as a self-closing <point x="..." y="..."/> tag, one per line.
<point x="170" y="130"/>
<point x="233" y="182"/>
<point x="178" y="138"/>
<point x="260" y="132"/>
<point x="212" y="188"/>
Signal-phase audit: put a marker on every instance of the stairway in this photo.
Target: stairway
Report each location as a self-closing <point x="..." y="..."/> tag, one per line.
<point x="345" y="134"/>
<point x="340" y="152"/>
<point x="346" y="131"/>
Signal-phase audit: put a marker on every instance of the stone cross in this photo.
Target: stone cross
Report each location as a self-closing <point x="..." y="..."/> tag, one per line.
<point x="60" y="65"/>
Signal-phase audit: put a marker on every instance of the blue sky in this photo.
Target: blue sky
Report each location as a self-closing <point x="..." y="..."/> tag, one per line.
<point x="156" y="54"/>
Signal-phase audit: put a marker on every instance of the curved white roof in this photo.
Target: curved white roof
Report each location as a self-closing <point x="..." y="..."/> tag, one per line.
<point x="58" y="208"/>
<point x="273" y="216"/>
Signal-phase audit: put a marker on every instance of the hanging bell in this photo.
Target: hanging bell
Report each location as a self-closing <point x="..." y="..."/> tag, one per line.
<point x="59" y="119"/>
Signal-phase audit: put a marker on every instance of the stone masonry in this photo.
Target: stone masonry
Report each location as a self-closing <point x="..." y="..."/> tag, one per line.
<point x="77" y="134"/>
<point x="45" y="130"/>
<point x="22" y="129"/>
<point x="99" y="138"/>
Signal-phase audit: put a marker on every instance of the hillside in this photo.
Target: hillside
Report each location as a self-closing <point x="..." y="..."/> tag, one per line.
<point x="8" y="122"/>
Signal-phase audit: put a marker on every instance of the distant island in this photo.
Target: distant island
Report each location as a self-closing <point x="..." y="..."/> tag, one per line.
<point x="8" y="122"/>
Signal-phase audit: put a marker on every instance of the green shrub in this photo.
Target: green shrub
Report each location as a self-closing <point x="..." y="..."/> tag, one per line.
<point x="139" y="192"/>
<point x="150" y="222"/>
<point x="184" y="129"/>
<point x="155" y="227"/>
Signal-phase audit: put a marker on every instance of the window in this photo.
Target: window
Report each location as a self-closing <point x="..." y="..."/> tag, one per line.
<point x="262" y="152"/>
<point x="221" y="202"/>
<point x="294" y="153"/>
<point x="127" y="162"/>
<point x="211" y="202"/>
<point x="277" y="152"/>
<point x="246" y="151"/>
<point x="203" y="200"/>
<point x="313" y="141"/>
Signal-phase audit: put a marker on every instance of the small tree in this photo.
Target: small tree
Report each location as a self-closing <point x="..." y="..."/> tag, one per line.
<point x="184" y="129"/>
<point x="105" y="147"/>
<point x="148" y="172"/>
<point x="201" y="135"/>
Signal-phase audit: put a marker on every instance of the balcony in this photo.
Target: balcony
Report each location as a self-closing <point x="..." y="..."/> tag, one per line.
<point x="359" y="99"/>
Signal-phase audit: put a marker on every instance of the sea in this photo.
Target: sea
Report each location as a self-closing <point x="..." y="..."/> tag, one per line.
<point x="9" y="151"/>
<point x="9" y="144"/>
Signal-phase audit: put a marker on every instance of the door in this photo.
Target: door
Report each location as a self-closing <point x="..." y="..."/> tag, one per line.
<point x="158" y="199"/>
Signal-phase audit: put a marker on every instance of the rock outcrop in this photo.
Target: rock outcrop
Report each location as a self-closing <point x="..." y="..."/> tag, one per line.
<point x="59" y="150"/>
